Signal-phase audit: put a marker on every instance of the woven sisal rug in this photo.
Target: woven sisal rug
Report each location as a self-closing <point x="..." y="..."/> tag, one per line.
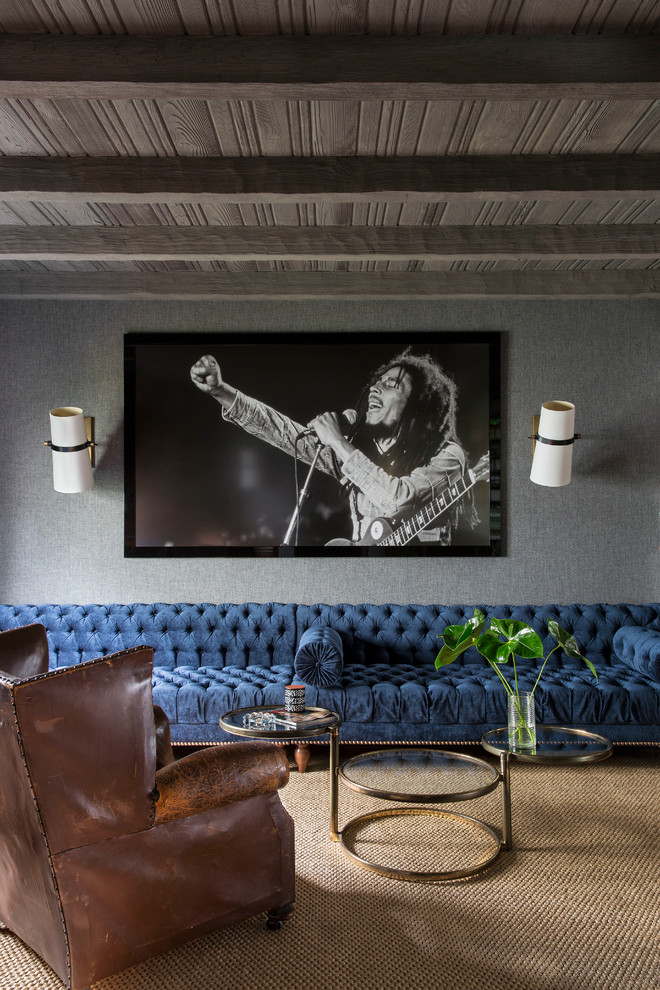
<point x="574" y="906"/>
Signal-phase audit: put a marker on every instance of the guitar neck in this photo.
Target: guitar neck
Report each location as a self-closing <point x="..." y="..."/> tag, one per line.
<point x="408" y="530"/>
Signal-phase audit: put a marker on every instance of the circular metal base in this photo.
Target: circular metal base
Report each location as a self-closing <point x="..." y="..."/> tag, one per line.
<point x="427" y="876"/>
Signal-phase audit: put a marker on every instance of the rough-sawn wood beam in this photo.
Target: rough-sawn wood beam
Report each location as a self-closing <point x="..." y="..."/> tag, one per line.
<point x="489" y="67"/>
<point x="314" y="285"/>
<point x="336" y="243"/>
<point x="338" y="179"/>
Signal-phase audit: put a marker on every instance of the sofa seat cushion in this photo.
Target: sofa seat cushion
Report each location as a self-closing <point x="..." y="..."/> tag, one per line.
<point x="639" y="647"/>
<point x="473" y="695"/>
<point x="199" y="695"/>
<point x="398" y="694"/>
<point x="403" y="693"/>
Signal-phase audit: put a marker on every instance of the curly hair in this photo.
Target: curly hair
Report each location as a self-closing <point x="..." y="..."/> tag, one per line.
<point x="429" y="416"/>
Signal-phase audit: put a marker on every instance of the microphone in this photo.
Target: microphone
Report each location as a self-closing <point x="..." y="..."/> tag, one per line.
<point x="347" y="418"/>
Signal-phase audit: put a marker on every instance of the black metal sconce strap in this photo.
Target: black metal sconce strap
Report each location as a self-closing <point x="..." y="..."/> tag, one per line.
<point x="556" y="443"/>
<point x="68" y="450"/>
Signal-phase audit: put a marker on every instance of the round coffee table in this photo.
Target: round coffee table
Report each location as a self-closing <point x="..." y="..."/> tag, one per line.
<point x="422" y="776"/>
<point x="327" y="723"/>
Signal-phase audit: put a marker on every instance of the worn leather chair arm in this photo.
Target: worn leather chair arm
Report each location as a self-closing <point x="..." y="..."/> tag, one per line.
<point x="210" y="778"/>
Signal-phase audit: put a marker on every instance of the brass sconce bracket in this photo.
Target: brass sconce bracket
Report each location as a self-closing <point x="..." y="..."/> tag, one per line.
<point x="89" y="430"/>
<point x="535" y="432"/>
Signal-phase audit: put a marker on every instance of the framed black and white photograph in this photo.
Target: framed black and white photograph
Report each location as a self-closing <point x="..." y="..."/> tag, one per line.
<point x="317" y="444"/>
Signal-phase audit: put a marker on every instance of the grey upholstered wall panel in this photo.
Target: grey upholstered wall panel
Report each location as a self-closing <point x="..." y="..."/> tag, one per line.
<point x="595" y="540"/>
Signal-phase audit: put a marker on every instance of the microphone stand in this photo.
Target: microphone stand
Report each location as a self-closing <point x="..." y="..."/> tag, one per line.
<point x="302" y="497"/>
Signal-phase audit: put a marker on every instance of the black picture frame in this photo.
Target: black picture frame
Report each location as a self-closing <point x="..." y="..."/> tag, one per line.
<point x="197" y="485"/>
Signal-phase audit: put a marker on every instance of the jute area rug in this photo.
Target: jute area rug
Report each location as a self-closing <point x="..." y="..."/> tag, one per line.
<point x="574" y="906"/>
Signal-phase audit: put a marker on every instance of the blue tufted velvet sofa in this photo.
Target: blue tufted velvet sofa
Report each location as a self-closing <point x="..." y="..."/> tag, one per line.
<point x="211" y="658"/>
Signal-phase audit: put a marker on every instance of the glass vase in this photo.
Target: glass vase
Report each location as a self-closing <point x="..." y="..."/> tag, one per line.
<point x="521" y="722"/>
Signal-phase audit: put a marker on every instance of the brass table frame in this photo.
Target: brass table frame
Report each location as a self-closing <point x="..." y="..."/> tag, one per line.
<point x="330" y="727"/>
<point x="424" y="798"/>
<point x="496" y="742"/>
<point x="493" y="742"/>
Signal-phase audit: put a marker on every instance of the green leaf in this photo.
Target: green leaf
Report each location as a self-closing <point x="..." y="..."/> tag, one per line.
<point x="458" y="639"/>
<point x="568" y="644"/>
<point x="502" y="627"/>
<point x="519" y="638"/>
<point x="491" y="647"/>
<point x="527" y="643"/>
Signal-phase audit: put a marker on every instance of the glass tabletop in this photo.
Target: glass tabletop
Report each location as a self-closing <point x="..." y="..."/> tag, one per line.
<point x="554" y="744"/>
<point x="250" y="722"/>
<point x="420" y="775"/>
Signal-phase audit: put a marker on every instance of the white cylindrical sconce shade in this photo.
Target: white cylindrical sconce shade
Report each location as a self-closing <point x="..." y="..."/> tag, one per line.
<point x="72" y="467"/>
<point x="553" y="453"/>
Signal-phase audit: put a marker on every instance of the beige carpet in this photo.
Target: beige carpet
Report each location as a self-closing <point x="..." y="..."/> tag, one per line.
<point x="574" y="906"/>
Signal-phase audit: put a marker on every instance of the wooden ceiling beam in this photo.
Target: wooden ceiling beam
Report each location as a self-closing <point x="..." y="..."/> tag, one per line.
<point x="488" y="67"/>
<point x="319" y="285"/>
<point x="329" y="243"/>
<point x="343" y="179"/>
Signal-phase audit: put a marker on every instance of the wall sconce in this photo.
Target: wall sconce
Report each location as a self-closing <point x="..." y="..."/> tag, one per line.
<point x="553" y="438"/>
<point x="72" y="444"/>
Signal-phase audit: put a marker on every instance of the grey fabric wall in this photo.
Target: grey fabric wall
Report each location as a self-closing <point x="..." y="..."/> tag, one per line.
<point x="596" y="540"/>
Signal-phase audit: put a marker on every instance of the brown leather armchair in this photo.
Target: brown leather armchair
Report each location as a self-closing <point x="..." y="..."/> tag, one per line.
<point x="105" y="860"/>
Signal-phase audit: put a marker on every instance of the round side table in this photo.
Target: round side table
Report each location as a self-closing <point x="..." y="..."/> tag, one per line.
<point x="555" y="744"/>
<point x="422" y="776"/>
<point x="327" y="723"/>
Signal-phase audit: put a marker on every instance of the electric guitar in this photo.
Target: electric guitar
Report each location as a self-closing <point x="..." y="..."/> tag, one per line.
<point x="382" y="534"/>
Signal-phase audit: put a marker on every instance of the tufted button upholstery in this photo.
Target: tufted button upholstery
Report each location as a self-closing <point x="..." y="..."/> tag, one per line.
<point x="209" y="658"/>
<point x="180" y="634"/>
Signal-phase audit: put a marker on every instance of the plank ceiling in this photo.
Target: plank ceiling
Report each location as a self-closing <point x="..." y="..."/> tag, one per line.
<point x="329" y="148"/>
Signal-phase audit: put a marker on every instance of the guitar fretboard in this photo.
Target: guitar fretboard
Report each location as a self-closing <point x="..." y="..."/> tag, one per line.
<point x="407" y="531"/>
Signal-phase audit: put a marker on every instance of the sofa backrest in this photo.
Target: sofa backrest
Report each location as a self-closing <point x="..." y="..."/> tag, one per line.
<point x="266" y="635"/>
<point x="411" y="633"/>
<point x="192" y="635"/>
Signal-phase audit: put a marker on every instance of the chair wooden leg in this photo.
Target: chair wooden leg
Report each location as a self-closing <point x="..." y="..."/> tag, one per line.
<point x="277" y="916"/>
<point x="301" y="756"/>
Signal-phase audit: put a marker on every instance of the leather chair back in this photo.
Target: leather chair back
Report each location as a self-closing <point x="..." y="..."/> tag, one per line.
<point x="88" y="737"/>
<point x="29" y="903"/>
<point x="78" y="753"/>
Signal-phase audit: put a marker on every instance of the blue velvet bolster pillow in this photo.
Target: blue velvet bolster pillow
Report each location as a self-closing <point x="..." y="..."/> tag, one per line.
<point x="320" y="657"/>
<point x="639" y="648"/>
